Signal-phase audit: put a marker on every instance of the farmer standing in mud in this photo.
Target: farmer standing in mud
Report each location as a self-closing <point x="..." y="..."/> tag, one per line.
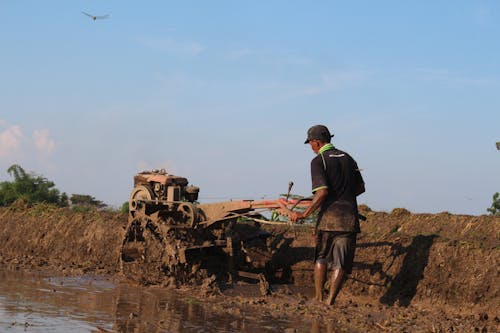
<point x="336" y="182"/>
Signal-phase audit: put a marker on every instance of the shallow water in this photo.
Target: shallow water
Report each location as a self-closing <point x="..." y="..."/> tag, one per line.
<point x="35" y="303"/>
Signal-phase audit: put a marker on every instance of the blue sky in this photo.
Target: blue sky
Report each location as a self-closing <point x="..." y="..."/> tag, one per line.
<point x="223" y="92"/>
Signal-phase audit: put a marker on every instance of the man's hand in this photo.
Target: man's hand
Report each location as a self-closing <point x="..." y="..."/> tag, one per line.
<point x="319" y="197"/>
<point x="296" y="216"/>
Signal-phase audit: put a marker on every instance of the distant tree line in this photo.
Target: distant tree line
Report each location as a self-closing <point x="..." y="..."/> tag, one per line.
<point x="86" y="200"/>
<point x="32" y="188"/>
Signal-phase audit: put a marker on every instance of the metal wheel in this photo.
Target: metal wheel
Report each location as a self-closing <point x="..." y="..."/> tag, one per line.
<point x="189" y="214"/>
<point x="140" y="192"/>
<point x="142" y="251"/>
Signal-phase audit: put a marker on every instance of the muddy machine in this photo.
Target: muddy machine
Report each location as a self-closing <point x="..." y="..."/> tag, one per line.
<point x="171" y="238"/>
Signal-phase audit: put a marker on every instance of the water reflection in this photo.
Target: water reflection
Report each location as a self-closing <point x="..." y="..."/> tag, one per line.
<point x="160" y="310"/>
<point x="36" y="303"/>
<point x="32" y="303"/>
<point x="318" y="326"/>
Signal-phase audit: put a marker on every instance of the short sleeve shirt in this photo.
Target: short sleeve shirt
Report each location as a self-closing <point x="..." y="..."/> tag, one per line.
<point x="336" y="171"/>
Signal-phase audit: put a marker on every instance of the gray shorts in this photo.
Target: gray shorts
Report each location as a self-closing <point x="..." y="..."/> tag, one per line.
<point x="336" y="249"/>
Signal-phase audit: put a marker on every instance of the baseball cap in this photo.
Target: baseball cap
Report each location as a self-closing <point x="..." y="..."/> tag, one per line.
<point x="318" y="132"/>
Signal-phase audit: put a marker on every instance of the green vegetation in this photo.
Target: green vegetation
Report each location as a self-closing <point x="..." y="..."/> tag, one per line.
<point x="495" y="206"/>
<point x="30" y="188"/>
<point x="35" y="189"/>
<point x="83" y="202"/>
<point x="395" y="229"/>
<point x="124" y="208"/>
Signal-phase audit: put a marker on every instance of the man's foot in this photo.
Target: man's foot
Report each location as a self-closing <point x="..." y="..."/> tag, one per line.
<point x="315" y="302"/>
<point x="329" y="301"/>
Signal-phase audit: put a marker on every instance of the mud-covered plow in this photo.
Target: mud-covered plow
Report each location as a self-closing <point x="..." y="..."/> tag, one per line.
<point x="170" y="238"/>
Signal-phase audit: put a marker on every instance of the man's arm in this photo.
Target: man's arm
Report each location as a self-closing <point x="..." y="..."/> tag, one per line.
<point x="319" y="196"/>
<point x="360" y="189"/>
<point x="360" y="184"/>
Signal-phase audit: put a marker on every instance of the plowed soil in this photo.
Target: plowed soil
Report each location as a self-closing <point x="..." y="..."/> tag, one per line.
<point x="412" y="273"/>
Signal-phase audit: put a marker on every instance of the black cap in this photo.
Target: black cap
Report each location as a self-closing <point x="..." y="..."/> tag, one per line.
<point x="318" y="132"/>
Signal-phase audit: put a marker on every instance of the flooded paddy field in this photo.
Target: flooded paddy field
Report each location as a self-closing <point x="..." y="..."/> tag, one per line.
<point x="60" y="272"/>
<point x="38" y="303"/>
<point x="35" y="302"/>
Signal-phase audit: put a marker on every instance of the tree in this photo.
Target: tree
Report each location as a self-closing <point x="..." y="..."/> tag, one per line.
<point x="495" y="206"/>
<point x="29" y="187"/>
<point x="84" y="200"/>
<point x="64" y="200"/>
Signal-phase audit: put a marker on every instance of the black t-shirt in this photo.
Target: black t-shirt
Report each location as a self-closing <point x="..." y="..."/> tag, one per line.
<point x="336" y="171"/>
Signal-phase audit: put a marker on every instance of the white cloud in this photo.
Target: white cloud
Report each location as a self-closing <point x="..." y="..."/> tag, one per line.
<point x="332" y="82"/>
<point x="10" y="140"/>
<point x="170" y="45"/>
<point x="43" y="143"/>
<point x="447" y="77"/>
<point x="268" y="57"/>
<point x="482" y="16"/>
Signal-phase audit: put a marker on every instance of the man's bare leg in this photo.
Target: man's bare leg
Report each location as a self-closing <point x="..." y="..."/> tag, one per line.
<point x="336" y="281"/>
<point x="319" y="280"/>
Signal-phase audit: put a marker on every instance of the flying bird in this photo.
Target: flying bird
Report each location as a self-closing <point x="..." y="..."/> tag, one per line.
<point x="94" y="17"/>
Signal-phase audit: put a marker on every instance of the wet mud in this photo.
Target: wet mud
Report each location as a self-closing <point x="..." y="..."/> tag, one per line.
<point x="412" y="273"/>
<point x="39" y="303"/>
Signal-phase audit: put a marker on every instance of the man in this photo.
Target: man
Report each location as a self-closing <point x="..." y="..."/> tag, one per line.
<point x="336" y="182"/>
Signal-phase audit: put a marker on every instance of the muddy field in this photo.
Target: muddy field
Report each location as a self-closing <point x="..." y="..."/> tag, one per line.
<point x="413" y="272"/>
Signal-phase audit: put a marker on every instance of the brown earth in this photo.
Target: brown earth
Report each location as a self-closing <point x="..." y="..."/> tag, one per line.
<point x="412" y="273"/>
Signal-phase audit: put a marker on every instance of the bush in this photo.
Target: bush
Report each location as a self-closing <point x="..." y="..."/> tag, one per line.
<point x="495" y="206"/>
<point x="124" y="209"/>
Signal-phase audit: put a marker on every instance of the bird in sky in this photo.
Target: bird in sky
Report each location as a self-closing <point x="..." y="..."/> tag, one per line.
<point x="95" y="17"/>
